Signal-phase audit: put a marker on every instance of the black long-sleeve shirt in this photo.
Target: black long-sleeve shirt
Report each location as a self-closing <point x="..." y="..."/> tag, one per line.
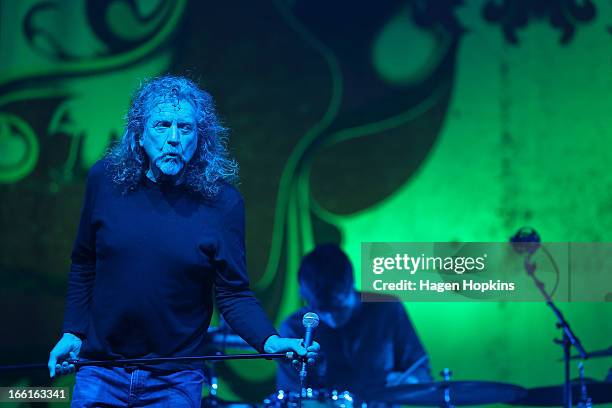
<point x="145" y="265"/>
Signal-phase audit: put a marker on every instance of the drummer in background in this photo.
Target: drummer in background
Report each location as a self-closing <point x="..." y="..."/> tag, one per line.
<point x="365" y="345"/>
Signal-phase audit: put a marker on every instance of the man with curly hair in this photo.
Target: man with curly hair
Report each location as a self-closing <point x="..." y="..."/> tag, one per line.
<point x="161" y="229"/>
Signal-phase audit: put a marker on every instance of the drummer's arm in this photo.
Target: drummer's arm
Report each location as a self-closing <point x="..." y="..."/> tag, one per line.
<point x="411" y="363"/>
<point x="417" y="373"/>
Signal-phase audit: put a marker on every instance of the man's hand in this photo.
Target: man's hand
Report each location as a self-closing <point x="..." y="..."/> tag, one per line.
<point x="276" y="344"/>
<point x="69" y="346"/>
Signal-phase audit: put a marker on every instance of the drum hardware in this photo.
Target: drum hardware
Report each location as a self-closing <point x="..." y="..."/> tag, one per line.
<point x="598" y="393"/>
<point x="446" y="375"/>
<point x="222" y="338"/>
<point x="313" y="398"/>
<point x="448" y="393"/>
<point x="585" y="393"/>
<point x="585" y="401"/>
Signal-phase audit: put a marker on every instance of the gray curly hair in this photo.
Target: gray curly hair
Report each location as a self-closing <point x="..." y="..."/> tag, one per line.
<point x="211" y="164"/>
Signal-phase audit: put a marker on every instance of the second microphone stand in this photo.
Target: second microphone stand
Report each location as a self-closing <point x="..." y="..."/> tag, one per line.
<point x="568" y="340"/>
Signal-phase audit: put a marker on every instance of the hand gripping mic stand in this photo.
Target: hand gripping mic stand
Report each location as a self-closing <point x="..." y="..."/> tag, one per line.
<point x="527" y="241"/>
<point x="310" y="321"/>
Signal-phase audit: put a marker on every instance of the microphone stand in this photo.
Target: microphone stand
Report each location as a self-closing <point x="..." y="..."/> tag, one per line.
<point x="569" y="338"/>
<point x="150" y="361"/>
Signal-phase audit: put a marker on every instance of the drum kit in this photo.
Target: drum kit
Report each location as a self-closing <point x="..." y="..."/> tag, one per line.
<point x="581" y="393"/>
<point x="446" y="393"/>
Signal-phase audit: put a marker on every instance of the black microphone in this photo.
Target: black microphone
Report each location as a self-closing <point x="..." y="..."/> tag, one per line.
<point x="309" y="321"/>
<point x="526" y="241"/>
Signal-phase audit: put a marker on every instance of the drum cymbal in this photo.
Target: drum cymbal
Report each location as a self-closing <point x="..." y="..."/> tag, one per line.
<point x="599" y="392"/>
<point x="461" y="393"/>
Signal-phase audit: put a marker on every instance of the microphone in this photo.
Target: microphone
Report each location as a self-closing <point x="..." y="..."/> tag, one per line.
<point x="310" y="321"/>
<point x="526" y="241"/>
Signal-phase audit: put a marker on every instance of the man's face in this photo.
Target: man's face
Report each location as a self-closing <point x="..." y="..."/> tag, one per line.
<point x="170" y="137"/>
<point x="334" y="312"/>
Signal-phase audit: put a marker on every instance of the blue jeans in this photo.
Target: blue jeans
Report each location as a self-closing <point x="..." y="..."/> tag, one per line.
<point x="128" y="387"/>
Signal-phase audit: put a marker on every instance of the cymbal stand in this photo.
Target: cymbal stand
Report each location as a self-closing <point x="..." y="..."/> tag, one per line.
<point x="585" y="401"/>
<point x="446" y="377"/>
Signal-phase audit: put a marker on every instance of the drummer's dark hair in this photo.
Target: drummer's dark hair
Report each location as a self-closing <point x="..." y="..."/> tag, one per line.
<point x="326" y="271"/>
